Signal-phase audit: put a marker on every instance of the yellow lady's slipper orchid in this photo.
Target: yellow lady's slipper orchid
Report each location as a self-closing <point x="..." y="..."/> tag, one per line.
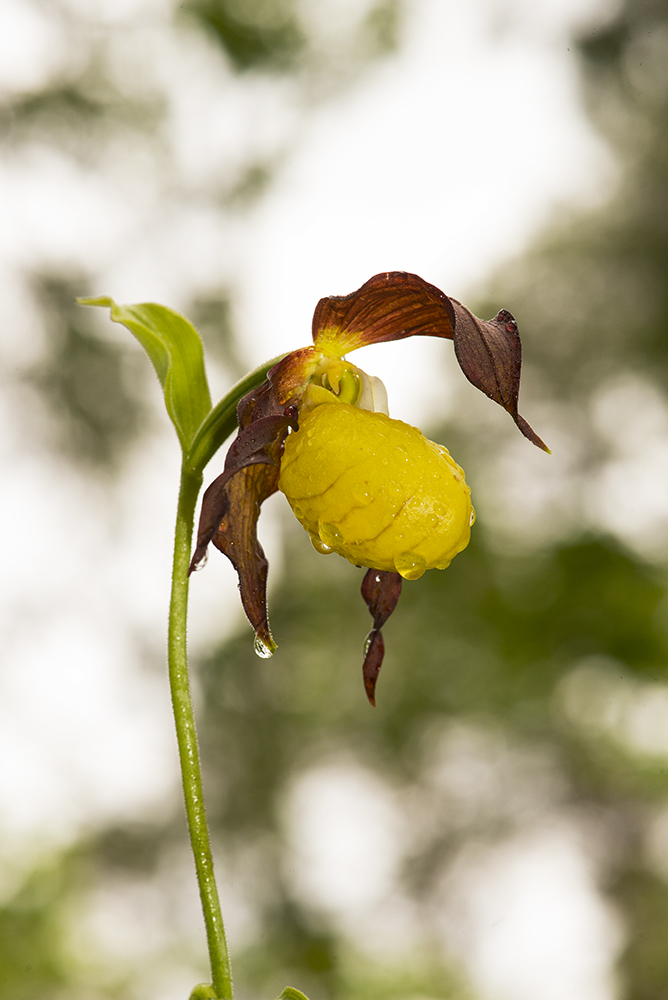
<point x="370" y="488"/>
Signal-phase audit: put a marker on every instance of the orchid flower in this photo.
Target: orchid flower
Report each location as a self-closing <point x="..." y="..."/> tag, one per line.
<point x="372" y="489"/>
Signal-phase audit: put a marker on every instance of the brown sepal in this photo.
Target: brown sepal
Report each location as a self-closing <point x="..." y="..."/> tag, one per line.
<point x="289" y="376"/>
<point x="231" y="504"/>
<point x="489" y="353"/>
<point x="236" y="537"/>
<point x="381" y="591"/>
<point x="259" y="402"/>
<point x="259" y="443"/>
<point x="390" y="306"/>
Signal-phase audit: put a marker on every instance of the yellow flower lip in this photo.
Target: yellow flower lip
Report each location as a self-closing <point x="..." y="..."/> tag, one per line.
<point x="375" y="490"/>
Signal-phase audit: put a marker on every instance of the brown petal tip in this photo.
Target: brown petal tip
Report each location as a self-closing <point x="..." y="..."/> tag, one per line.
<point x="530" y="433"/>
<point x="381" y="591"/>
<point x="373" y="660"/>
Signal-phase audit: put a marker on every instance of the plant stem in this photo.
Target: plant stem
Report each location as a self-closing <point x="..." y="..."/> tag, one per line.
<point x="186" y="735"/>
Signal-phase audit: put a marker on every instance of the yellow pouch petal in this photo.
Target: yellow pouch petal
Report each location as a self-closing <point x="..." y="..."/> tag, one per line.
<point x="375" y="490"/>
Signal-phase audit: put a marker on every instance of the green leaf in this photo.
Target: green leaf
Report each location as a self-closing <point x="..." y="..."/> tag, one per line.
<point x="290" y="993"/>
<point x="203" y="991"/>
<point x="221" y="421"/>
<point x="175" y="350"/>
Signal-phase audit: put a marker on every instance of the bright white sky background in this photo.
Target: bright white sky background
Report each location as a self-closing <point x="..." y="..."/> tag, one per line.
<point x="445" y="160"/>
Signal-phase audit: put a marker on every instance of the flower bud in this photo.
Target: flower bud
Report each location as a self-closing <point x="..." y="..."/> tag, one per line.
<point x="375" y="490"/>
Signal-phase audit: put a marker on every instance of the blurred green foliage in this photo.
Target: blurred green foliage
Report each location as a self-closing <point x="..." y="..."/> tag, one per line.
<point x="495" y="643"/>
<point x="80" y="113"/>
<point x="211" y="315"/>
<point x="91" y="387"/>
<point x="32" y="963"/>
<point x="271" y="35"/>
<point x="254" y="34"/>
<point x="644" y="962"/>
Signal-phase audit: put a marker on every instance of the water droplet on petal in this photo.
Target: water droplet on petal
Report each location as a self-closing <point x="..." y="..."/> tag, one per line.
<point x="410" y="565"/>
<point x="330" y="534"/>
<point x="392" y="490"/>
<point x="472" y="518"/>
<point x="361" y="496"/>
<point x="262" y="649"/>
<point x="320" y="547"/>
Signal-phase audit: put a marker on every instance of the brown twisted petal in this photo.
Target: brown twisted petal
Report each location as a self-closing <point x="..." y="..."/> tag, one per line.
<point x="236" y="537"/>
<point x="489" y="353"/>
<point x="381" y="591"/>
<point x="389" y="306"/>
<point x="291" y="374"/>
<point x="261" y="442"/>
<point x="231" y="504"/>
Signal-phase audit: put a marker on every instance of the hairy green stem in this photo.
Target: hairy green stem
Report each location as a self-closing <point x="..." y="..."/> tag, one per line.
<point x="186" y="734"/>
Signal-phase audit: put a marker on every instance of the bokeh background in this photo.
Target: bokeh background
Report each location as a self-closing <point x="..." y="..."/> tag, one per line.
<point x="497" y="829"/>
